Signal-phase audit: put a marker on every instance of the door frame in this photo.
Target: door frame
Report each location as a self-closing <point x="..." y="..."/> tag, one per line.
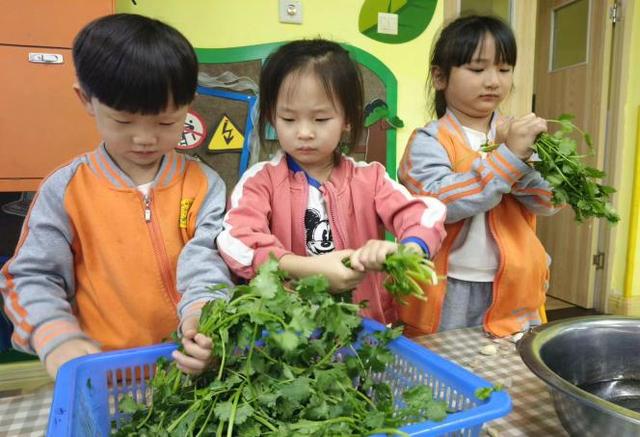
<point x="620" y="50"/>
<point x="617" y="50"/>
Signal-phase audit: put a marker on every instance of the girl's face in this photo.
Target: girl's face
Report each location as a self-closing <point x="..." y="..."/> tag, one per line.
<point x="474" y="90"/>
<point x="308" y="122"/>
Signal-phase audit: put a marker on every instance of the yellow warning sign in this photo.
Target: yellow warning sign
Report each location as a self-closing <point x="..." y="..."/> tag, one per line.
<point x="226" y="136"/>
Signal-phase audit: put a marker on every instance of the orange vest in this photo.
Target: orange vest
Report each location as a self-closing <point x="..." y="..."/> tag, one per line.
<point x="519" y="285"/>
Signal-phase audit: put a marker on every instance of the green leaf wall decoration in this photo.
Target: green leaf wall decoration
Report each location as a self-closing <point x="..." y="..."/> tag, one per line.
<point x="413" y="18"/>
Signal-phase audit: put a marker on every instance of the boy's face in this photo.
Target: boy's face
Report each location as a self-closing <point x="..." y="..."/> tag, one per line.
<point x="137" y="142"/>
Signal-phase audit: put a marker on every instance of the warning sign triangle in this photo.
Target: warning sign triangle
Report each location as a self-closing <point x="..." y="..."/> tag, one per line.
<point x="226" y="136"/>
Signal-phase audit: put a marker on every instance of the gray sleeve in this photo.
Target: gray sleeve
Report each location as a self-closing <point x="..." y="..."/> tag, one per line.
<point x="200" y="265"/>
<point x="535" y="194"/>
<point x="38" y="284"/>
<point x="426" y="169"/>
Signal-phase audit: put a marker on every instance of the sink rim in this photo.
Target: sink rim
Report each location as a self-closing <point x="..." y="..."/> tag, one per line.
<point x="530" y="345"/>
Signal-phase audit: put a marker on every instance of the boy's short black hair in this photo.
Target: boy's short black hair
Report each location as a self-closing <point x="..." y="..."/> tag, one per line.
<point x="333" y="66"/>
<point x="135" y="64"/>
<point x="459" y="40"/>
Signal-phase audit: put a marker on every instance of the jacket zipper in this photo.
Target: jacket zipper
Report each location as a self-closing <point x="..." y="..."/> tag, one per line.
<point x="159" y="250"/>
<point x="335" y="230"/>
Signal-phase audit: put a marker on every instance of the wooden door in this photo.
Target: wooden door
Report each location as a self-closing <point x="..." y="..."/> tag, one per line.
<point x="567" y="82"/>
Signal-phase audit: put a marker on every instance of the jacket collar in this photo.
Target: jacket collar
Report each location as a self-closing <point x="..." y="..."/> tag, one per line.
<point x="454" y="126"/>
<point x="295" y="167"/>
<point x="336" y="179"/>
<point x="171" y="168"/>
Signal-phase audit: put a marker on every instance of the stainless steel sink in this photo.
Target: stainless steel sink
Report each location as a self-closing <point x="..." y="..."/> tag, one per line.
<point x="592" y="367"/>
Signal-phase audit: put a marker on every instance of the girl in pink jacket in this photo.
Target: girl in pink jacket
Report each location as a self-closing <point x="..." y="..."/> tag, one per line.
<point x="311" y="206"/>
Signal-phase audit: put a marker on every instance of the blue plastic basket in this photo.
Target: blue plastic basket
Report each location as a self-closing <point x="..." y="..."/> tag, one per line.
<point x="85" y="403"/>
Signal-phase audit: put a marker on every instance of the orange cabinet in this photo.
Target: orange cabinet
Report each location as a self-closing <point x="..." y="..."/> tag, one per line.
<point x="42" y="124"/>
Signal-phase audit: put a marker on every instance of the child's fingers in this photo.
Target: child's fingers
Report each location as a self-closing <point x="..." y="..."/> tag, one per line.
<point x="353" y="280"/>
<point x="189" y="326"/>
<point x="375" y="253"/>
<point x="188" y="370"/>
<point x="189" y="364"/>
<point x="356" y="263"/>
<point x="541" y="124"/>
<point x="377" y="258"/>
<point x="91" y="348"/>
<point x="203" y="341"/>
<point x="193" y="349"/>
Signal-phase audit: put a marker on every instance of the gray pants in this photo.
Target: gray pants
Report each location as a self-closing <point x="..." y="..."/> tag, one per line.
<point x="465" y="304"/>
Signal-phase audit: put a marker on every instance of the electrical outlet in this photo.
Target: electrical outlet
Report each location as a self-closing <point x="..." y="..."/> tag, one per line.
<point x="290" y="11"/>
<point x="387" y="23"/>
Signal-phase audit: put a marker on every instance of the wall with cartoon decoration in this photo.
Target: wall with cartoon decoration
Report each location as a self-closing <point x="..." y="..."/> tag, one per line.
<point x="233" y="38"/>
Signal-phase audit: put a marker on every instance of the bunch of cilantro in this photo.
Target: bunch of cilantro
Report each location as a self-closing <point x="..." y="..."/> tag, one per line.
<point x="572" y="181"/>
<point x="286" y="365"/>
<point x="407" y="271"/>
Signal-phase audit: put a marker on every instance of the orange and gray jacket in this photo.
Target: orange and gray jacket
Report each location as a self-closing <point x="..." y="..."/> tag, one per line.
<point x="97" y="259"/>
<point x="439" y="162"/>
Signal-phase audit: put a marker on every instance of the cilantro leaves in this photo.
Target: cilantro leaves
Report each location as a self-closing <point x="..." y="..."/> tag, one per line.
<point x="291" y="360"/>
<point x="572" y="181"/>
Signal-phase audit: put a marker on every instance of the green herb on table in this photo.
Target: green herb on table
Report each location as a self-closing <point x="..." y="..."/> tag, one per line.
<point x="572" y="181"/>
<point x="484" y="392"/>
<point x="285" y="366"/>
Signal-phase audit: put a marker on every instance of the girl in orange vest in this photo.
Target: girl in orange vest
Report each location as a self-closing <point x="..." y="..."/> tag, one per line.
<point x="495" y="267"/>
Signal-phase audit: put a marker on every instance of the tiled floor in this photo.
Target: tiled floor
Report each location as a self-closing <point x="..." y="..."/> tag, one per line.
<point x="555" y="304"/>
<point x="559" y="309"/>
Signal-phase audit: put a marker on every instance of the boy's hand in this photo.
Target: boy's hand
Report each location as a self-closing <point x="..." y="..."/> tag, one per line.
<point x="70" y="349"/>
<point x="196" y="357"/>
<point x="522" y="134"/>
<point x="372" y="255"/>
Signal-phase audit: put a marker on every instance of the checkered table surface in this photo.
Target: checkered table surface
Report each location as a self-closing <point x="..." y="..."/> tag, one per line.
<point x="25" y="415"/>
<point x="533" y="412"/>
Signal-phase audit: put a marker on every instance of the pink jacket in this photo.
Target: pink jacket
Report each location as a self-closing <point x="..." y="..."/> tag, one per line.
<point x="267" y="209"/>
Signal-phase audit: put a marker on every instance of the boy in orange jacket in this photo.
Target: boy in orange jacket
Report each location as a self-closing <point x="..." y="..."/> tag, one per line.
<point x="118" y="248"/>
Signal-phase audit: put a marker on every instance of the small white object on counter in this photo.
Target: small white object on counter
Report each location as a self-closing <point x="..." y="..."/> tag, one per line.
<point x="489" y="349"/>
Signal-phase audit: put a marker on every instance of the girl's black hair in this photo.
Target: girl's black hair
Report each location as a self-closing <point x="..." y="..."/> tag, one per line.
<point x="332" y="65"/>
<point x="458" y="42"/>
<point x="135" y="64"/>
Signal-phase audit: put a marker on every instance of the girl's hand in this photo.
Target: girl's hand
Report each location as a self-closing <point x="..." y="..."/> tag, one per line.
<point x="502" y="129"/>
<point x="372" y="255"/>
<point x="522" y="134"/>
<point x="196" y="357"/>
<point x="340" y="278"/>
